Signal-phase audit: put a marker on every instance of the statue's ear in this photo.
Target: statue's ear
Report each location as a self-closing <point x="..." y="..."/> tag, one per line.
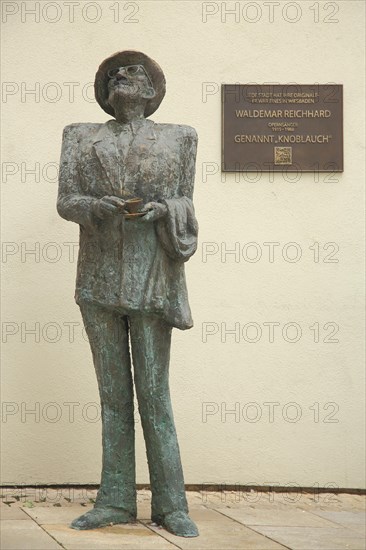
<point x="149" y="93"/>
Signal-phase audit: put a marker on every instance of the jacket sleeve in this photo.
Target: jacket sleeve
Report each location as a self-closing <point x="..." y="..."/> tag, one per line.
<point x="71" y="204"/>
<point x="178" y="230"/>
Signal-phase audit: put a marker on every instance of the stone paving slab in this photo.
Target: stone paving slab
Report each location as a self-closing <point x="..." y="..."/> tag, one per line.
<point x="65" y="514"/>
<point x="8" y="512"/>
<point x="25" y="535"/>
<point x="351" y="519"/>
<point x="272" y="515"/>
<point x="217" y="532"/>
<point x="56" y="521"/>
<point x="130" y="537"/>
<point x="314" y="538"/>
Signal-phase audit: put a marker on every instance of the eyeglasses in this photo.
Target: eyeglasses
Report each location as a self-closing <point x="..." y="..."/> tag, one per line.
<point x="131" y="70"/>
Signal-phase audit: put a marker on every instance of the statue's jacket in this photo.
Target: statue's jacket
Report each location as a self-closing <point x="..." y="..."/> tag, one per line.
<point x="129" y="264"/>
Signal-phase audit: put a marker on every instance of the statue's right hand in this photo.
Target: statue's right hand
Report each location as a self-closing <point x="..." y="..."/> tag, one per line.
<point x="108" y="206"/>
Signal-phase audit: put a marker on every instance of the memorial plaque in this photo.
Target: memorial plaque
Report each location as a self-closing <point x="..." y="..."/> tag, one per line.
<point x="292" y="127"/>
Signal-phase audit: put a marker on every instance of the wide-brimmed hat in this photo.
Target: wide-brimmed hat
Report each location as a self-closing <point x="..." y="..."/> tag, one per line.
<point x="129" y="57"/>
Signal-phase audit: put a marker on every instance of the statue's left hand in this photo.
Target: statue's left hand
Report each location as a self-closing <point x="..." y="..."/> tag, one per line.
<point x="155" y="211"/>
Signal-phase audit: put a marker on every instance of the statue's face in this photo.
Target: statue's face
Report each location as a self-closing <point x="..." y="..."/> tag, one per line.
<point x="129" y="82"/>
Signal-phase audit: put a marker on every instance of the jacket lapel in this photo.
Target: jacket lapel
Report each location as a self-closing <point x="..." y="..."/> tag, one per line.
<point x="105" y="147"/>
<point x="139" y="150"/>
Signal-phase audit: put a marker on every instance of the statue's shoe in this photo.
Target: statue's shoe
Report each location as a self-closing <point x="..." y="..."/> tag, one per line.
<point x="179" y="523"/>
<point x="100" y="517"/>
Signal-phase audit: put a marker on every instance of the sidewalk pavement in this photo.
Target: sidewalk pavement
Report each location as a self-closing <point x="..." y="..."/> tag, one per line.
<point x="38" y="519"/>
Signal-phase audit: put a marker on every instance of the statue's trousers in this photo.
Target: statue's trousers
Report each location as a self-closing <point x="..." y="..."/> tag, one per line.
<point x="111" y="334"/>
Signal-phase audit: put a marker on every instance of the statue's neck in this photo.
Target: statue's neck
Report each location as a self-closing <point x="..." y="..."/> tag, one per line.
<point x="127" y="113"/>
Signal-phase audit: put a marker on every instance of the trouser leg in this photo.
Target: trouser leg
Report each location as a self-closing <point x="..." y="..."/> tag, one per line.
<point x="108" y="336"/>
<point x="150" y="342"/>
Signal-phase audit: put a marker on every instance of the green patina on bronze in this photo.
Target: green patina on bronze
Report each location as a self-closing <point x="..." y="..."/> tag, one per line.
<point x="131" y="286"/>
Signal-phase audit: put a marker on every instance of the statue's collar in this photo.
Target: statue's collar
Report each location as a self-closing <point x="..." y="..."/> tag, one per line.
<point x="115" y="128"/>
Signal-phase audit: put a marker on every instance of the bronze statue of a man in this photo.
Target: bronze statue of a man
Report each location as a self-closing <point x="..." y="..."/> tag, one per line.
<point x="130" y="284"/>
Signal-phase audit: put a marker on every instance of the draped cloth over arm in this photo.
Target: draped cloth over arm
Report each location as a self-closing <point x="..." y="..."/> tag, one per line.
<point x="166" y="289"/>
<point x="178" y="231"/>
<point x="177" y="234"/>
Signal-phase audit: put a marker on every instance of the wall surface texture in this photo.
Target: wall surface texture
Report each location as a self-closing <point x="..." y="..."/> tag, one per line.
<point x="268" y="386"/>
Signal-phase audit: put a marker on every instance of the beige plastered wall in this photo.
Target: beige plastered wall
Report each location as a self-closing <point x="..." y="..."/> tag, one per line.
<point x="252" y="406"/>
